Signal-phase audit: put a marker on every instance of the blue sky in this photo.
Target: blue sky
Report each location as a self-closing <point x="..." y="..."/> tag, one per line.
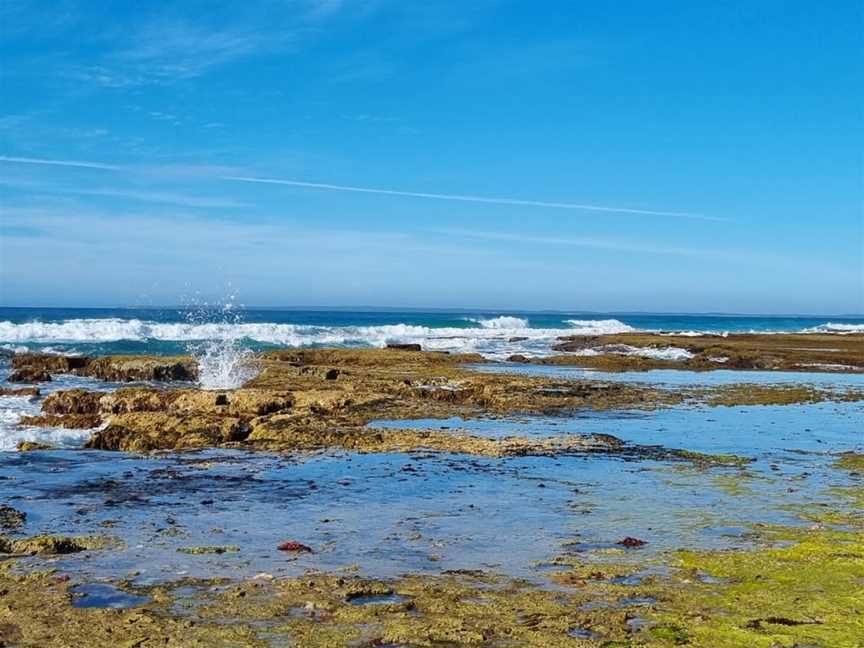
<point x="607" y="156"/>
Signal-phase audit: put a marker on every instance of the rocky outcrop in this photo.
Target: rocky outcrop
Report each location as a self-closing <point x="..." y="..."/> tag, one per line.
<point x="405" y="347"/>
<point x="135" y="368"/>
<point x="24" y="392"/>
<point x="29" y="375"/>
<point x="49" y="362"/>
<point x="763" y="352"/>
<point x="38" y="367"/>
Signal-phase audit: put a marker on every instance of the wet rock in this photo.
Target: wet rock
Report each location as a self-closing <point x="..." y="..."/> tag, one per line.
<point x="51" y="545"/>
<point x="69" y="421"/>
<point x="30" y="446"/>
<point x="144" y="368"/>
<point x="29" y="375"/>
<point x="405" y="347"/>
<point x="294" y="547"/>
<point x="24" y="392"/>
<point x="209" y="550"/>
<point x="517" y="338"/>
<point x="632" y="543"/>
<point x="11" y="519"/>
<point x="518" y="357"/>
<point x="50" y="363"/>
<point x="145" y="431"/>
<point x="72" y="401"/>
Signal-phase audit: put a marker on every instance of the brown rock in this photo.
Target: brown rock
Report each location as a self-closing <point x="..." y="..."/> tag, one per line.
<point x="29" y="392"/>
<point x="50" y="362"/>
<point x="72" y="401"/>
<point x="68" y="421"/>
<point x="29" y="375"/>
<point x="133" y="368"/>
<point x="405" y="347"/>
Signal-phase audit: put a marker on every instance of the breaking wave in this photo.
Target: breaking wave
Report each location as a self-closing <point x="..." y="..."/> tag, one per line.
<point x="833" y="327"/>
<point x="598" y="327"/>
<point x="503" y="322"/>
<point x="222" y="345"/>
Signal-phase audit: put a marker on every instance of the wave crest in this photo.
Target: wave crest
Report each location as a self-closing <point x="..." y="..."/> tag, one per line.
<point x="836" y="327"/>
<point x="502" y="322"/>
<point x="598" y="327"/>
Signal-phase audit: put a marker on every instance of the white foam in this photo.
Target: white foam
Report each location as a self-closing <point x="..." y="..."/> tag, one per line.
<point x="12" y="408"/>
<point x="491" y="338"/>
<point x="502" y="322"/>
<point x="223" y="364"/>
<point x="836" y="327"/>
<point x="667" y="353"/>
<point x="597" y="327"/>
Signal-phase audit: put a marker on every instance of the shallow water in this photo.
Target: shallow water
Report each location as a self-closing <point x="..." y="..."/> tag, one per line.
<point x="419" y="512"/>
<point x="680" y="378"/>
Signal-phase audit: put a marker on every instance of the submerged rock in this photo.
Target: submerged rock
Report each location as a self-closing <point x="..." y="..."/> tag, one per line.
<point x="11" y="519"/>
<point x="51" y="545"/>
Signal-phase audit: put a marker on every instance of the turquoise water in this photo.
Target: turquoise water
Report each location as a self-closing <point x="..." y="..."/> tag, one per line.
<point x="495" y="334"/>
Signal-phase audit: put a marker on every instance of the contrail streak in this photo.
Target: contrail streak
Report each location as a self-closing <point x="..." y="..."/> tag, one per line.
<point x="473" y="199"/>
<point x="384" y="192"/>
<point x="63" y="163"/>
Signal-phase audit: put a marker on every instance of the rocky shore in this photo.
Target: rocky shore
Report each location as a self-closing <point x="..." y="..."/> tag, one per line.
<point x="776" y="585"/>
<point x="323" y="398"/>
<point x="801" y="352"/>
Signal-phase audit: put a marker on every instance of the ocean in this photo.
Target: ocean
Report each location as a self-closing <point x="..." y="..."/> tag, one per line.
<point x="495" y="334"/>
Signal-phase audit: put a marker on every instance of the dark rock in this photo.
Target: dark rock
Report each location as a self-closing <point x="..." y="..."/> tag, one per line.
<point x="11" y="518"/>
<point x="72" y="401"/>
<point x="405" y="347"/>
<point x="295" y="547"/>
<point x="68" y="421"/>
<point x="131" y="368"/>
<point x="49" y="362"/>
<point x="29" y="392"/>
<point x="29" y="375"/>
<point x="517" y="338"/>
<point x="518" y="358"/>
<point x="632" y="543"/>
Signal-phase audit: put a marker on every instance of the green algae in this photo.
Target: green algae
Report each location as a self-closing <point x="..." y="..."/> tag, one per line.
<point x="53" y="545"/>
<point x="851" y="461"/>
<point x="806" y="593"/>
<point x="700" y="458"/>
<point x="209" y="550"/>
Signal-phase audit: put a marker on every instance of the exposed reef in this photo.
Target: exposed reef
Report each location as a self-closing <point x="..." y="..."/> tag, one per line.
<point x="39" y="367"/>
<point x="764" y="352"/>
<point x="314" y="399"/>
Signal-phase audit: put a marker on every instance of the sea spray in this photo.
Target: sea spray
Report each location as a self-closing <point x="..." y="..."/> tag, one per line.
<point x="223" y="361"/>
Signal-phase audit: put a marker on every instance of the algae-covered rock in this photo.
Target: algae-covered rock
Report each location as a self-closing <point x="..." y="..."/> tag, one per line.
<point x="144" y="431"/>
<point x="11" y="519"/>
<point x="133" y="368"/>
<point x="51" y="545"/>
<point x="70" y="421"/>
<point x="22" y="392"/>
<point x="209" y="550"/>
<point x="29" y="446"/>
<point x="29" y="375"/>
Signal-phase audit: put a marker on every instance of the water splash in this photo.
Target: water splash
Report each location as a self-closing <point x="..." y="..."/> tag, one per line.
<point x="224" y="362"/>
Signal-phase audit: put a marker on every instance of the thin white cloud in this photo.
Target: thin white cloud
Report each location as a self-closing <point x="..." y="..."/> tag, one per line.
<point x="386" y="192"/>
<point x="473" y="199"/>
<point x="63" y="163"/>
<point x="621" y="245"/>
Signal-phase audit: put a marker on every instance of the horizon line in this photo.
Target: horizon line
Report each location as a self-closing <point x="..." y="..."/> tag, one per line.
<point x="443" y="309"/>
